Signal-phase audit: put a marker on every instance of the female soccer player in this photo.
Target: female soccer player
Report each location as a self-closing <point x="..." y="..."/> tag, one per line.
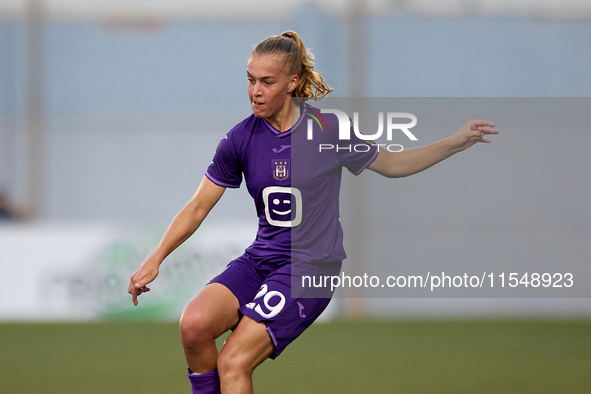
<point x="298" y="218"/>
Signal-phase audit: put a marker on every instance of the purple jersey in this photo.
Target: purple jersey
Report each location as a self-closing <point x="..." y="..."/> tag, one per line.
<point x="295" y="185"/>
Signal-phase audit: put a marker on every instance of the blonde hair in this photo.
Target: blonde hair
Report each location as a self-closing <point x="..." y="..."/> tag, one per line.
<point x="298" y="61"/>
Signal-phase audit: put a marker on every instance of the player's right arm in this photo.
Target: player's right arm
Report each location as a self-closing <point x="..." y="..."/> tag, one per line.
<point x="185" y="223"/>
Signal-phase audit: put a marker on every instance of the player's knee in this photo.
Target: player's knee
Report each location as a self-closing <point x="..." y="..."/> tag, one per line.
<point x="194" y="330"/>
<point x="232" y="365"/>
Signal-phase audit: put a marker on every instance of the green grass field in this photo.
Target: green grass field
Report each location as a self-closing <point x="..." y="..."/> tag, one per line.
<point x="421" y="356"/>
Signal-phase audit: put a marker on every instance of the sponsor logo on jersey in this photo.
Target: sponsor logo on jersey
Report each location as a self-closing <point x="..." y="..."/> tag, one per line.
<point x="302" y="314"/>
<point x="281" y="148"/>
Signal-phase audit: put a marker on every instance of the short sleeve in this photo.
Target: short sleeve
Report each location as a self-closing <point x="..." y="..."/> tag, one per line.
<point x="225" y="169"/>
<point x="357" y="154"/>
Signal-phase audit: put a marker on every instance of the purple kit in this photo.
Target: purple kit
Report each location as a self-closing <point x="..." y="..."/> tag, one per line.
<point x="295" y="187"/>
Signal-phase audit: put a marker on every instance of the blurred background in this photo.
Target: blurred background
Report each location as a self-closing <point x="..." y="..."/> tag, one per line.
<point x="110" y="113"/>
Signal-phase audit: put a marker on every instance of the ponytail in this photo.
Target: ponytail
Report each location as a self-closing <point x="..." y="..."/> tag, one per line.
<point x="298" y="61"/>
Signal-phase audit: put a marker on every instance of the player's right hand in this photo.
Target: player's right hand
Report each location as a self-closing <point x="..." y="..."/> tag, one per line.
<point x="145" y="274"/>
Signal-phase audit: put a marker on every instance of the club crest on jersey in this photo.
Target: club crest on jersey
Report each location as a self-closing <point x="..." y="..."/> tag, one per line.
<point x="281" y="169"/>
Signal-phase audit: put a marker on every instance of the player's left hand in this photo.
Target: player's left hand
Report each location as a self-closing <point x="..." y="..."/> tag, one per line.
<point x="474" y="131"/>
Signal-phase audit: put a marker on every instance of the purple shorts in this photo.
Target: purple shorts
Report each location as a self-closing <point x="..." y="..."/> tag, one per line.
<point x="265" y="295"/>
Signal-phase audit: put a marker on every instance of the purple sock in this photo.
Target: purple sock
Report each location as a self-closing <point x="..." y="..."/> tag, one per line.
<point x="206" y="383"/>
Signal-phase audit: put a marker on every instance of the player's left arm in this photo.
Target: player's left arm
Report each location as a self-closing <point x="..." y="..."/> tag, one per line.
<point x="411" y="161"/>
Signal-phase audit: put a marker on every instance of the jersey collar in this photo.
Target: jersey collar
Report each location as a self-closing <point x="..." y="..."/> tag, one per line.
<point x="286" y="132"/>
